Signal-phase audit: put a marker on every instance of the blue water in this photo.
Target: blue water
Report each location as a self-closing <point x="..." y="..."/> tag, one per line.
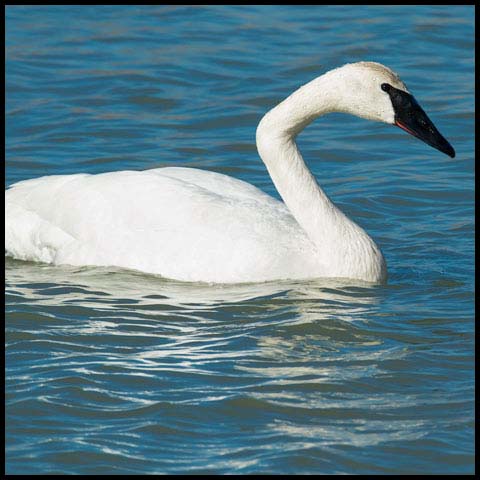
<point x="110" y="371"/>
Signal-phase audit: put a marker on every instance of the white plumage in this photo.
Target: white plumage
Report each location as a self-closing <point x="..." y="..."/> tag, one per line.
<point x="195" y="225"/>
<point x="182" y="223"/>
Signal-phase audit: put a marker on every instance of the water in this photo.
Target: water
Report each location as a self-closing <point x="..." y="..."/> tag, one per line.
<point x="110" y="371"/>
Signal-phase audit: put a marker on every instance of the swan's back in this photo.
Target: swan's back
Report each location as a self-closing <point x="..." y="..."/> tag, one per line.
<point x="181" y="223"/>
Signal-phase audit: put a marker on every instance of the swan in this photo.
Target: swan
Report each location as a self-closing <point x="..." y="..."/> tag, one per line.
<point x="196" y="225"/>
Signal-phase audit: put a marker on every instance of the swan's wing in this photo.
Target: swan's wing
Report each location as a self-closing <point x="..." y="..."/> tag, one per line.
<point x="30" y="237"/>
<point x="31" y="232"/>
<point x="190" y="225"/>
<point x="214" y="182"/>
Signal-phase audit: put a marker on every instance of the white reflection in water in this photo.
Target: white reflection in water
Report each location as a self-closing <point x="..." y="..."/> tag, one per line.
<point x="110" y="287"/>
<point x="281" y="331"/>
<point x="355" y="432"/>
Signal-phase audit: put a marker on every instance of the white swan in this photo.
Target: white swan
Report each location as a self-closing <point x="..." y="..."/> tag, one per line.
<point x="195" y="225"/>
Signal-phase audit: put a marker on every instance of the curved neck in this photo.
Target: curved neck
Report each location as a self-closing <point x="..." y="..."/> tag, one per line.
<point x="340" y="242"/>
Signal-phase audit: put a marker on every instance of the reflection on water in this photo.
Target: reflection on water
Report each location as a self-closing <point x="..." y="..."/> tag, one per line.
<point x="240" y="375"/>
<point x="65" y="284"/>
<point x="200" y="322"/>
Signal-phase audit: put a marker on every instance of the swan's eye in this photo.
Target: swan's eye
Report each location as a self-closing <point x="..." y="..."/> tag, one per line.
<point x="385" y="87"/>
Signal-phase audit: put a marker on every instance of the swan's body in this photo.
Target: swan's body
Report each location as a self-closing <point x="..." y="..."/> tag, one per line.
<point x="196" y="225"/>
<point x="231" y="224"/>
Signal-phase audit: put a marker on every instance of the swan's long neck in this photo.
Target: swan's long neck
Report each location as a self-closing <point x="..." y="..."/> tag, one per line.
<point x="341" y="244"/>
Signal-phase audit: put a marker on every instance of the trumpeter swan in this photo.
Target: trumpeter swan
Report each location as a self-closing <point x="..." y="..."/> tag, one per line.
<point x="196" y="225"/>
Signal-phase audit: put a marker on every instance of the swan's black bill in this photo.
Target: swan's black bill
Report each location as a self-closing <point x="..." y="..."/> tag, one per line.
<point x="410" y="117"/>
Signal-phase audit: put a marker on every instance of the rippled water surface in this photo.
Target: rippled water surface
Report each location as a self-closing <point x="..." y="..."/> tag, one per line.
<point x="111" y="371"/>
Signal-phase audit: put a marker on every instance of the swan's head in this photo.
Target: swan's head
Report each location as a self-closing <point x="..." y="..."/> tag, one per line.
<point x="373" y="91"/>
